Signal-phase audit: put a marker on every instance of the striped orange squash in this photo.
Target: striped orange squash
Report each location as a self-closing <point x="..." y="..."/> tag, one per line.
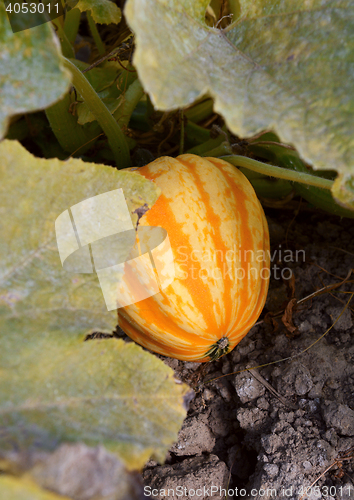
<point x="220" y="244"/>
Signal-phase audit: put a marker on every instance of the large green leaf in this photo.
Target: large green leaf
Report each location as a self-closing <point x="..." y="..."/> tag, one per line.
<point x="53" y="386"/>
<point x="56" y="388"/>
<point x="284" y="65"/>
<point x="31" y="75"/>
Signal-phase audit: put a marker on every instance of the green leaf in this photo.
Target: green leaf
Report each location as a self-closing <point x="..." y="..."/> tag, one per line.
<point x="31" y="76"/>
<point x="53" y="386"/>
<point x="14" y="488"/>
<point x="103" y="11"/>
<point x="56" y="388"/>
<point x="284" y="65"/>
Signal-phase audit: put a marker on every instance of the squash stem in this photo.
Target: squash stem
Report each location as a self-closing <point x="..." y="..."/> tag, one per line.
<point x="116" y="138"/>
<point x="224" y="152"/>
<point x="221" y="347"/>
<point x="200" y="111"/>
<point x="71" y="24"/>
<point x="66" y="47"/>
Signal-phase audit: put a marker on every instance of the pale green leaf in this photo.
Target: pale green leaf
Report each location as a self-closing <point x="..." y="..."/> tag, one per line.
<point x="103" y="11"/>
<point x="53" y="386"/>
<point x="56" y="388"/>
<point x="31" y="74"/>
<point x="15" y="488"/>
<point x="33" y="193"/>
<point x="284" y="65"/>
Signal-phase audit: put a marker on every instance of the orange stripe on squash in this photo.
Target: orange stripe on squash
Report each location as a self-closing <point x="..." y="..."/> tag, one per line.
<point x="214" y="221"/>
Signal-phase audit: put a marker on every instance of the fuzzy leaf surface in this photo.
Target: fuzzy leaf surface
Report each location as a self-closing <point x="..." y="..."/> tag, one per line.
<point x="31" y="74"/>
<point x="54" y="387"/>
<point x="286" y="66"/>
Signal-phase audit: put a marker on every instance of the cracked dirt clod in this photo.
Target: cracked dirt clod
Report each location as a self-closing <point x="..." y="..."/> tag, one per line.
<point x="296" y="379"/>
<point x="194" y="438"/>
<point x="247" y="387"/>
<point x="185" y="478"/>
<point x="341" y="417"/>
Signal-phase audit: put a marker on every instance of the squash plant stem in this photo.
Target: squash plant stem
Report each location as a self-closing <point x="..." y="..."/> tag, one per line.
<point x="224" y="152"/>
<point x="110" y="127"/>
<point x="66" y="47"/>
<point x="71" y="24"/>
